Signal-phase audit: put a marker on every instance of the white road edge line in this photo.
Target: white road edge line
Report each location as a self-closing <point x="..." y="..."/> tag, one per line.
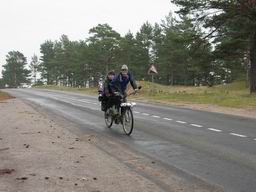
<point x="182" y="122"/>
<point x="255" y="139"/>
<point x="196" y="125"/>
<point x="155" y="116"/>
<point x="216" y="130"/>
<point x="146" y="114"/>
<point x="136" y="112"/>
<point x="238" y="135"/>
<point x="168" y="119"/>
<point x="79" y="105"/>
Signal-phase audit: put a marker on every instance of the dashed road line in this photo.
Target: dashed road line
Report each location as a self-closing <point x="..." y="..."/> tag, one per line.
<point x="84" y="100"/>
<point x="168" y="119"/>
<point x="238" y="135"/>
<point x="216" y="130"/>
<point x="182" y="122"/>
<point x="95" y="109"/>
<point x="196" y="125"/>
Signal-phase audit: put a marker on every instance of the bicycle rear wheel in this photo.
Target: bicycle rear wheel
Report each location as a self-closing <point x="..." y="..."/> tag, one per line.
<point x="127" y="121"/>
<point x="108" y="118"/>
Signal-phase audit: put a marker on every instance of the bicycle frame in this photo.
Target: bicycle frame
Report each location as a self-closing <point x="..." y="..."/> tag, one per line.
<point x="125" y="116"/>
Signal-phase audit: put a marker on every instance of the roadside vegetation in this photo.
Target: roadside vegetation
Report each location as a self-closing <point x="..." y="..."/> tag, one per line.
<point x="230" y="95"/>
<point x="4" y="96"/>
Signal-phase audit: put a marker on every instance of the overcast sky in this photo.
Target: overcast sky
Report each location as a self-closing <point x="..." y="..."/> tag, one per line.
<point x="25" y="24"/>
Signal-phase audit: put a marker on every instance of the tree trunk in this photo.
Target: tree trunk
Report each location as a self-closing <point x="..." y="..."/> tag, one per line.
<point x="48" y="78"/>
<point x="107" y="68"/>
<point x="171" y="78"/>
<point x="253" y="63"/>
<point x="247" y="65"/>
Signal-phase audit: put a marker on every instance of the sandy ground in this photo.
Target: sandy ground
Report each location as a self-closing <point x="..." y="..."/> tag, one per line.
<point x="242" y="112"/>
<point x="36" y="154"/>
<point x="247" y="112"/>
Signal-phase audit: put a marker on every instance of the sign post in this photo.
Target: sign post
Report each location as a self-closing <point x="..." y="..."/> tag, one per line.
<point x="152" y="71"/>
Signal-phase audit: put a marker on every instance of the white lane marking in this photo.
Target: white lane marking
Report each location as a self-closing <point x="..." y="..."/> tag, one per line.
<point x="136" y="112"/>
<point x="81" y="106"/>
<point x="255" y="139"/>
<point x="84" y="101"/>
<point x="182" y="122"/>
<point x="216" y="130"/>
<point x="196" y="125"/>
<point x="146" y="114"/>
<point x="238" y="135"/>
<point x="155" y="116"/>
<point x="168" y="119"/>
<point x="95" y="109"/>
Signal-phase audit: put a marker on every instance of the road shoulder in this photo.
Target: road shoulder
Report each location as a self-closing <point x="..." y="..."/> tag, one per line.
<point x="37" y="154"/>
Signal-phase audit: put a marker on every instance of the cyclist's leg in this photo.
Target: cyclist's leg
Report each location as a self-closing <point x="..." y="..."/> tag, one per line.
<point x="115" y="104"/>
<point x="104" y="103"/>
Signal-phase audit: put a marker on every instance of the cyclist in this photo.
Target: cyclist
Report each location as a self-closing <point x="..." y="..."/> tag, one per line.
<point x="107" y="91"/>
<point x="119" y="85"/>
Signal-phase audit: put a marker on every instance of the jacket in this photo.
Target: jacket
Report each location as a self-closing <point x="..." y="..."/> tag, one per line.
<point x="106" y="87"/>
<point x="120" y="82"/>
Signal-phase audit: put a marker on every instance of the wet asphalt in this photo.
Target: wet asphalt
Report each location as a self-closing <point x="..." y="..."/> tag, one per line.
<point x="216" y="148"/>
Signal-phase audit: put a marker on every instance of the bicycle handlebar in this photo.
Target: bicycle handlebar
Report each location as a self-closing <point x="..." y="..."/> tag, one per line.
<point x="135" y="91"/>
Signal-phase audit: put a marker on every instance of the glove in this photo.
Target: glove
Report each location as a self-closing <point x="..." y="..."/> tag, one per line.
<point x="135" y="91"/>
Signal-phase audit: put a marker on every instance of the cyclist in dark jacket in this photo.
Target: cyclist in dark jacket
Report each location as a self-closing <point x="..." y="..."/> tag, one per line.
<point x="107" y="90"/>
<point x="120" y="82"/>
<point x="119" y="85"/>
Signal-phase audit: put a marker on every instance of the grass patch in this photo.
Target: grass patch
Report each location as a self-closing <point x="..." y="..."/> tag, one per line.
<point x="231" y="95"/>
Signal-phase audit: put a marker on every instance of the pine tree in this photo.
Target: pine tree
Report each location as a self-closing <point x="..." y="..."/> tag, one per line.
<point x="233" y="20"/>
<point x="15" y="73"/>
<point x="34" y="65"/>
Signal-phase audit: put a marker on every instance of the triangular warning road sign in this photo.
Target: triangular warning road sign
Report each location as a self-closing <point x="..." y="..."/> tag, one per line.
<point x="152" y="69"/>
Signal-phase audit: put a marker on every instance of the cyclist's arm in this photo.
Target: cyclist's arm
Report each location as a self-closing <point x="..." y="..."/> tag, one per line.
<point x="133" y="82"/>
<point x="106" y="88"/>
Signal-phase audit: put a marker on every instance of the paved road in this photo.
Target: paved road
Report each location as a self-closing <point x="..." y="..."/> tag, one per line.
<point x="219" y="149"/>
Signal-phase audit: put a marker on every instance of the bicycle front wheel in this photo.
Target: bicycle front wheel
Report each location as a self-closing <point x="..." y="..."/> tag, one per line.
<point x="127" y="121"/>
